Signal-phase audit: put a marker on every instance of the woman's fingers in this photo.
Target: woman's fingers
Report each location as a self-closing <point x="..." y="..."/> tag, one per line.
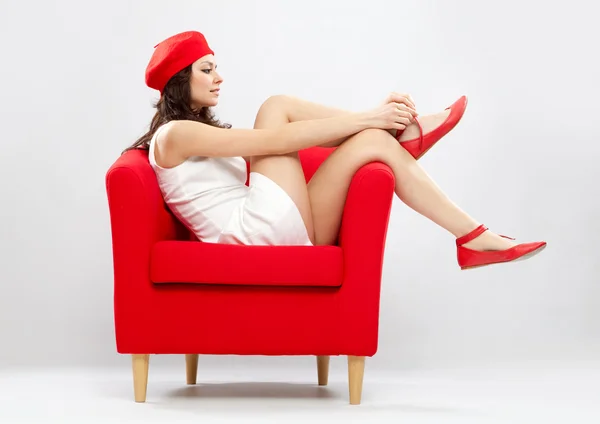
<point x="405" y="112"/>
<point x="409" y="109"/>
<point x="405" y="120"/>
<point x="404" y="99"/>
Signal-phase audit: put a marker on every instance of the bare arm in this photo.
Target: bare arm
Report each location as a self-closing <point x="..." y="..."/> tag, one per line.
<point x="183" y="139"/>
<point x="188" y="138"/>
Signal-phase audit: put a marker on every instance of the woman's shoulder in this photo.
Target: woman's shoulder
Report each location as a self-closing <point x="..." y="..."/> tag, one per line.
<point x="160" y="152"/>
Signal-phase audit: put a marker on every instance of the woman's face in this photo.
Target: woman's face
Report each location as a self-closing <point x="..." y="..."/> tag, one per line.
<point x="205" y="82"/>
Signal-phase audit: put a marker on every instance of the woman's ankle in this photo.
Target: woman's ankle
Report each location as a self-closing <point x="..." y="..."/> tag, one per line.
<point x="489" y="241"/>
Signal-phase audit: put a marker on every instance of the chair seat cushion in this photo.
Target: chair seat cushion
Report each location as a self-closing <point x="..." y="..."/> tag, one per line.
<point x="210" y="263"/>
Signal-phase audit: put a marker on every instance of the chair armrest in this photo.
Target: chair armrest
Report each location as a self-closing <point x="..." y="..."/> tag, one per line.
<point x="367" y="211"/>
<point x="362" y="239"/>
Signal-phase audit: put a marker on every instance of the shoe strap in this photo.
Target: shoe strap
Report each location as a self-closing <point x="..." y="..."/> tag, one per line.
<point x="472" y="235"/>
<point x="399" y="133"/>
<point x="420" y="133"/>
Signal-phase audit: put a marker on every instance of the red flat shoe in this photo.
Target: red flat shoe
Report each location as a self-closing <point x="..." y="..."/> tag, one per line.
<point x="469" y="258"/>
<point x="419" y="146"/>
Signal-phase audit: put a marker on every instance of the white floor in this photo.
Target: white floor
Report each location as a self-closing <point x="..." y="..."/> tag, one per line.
<point x="558" y="393"/>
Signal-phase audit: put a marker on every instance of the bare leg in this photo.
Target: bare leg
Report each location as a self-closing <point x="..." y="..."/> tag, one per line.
<point x="328" y="188"/>
<point x="321" y="202"/>
<point x="297" y="109"/>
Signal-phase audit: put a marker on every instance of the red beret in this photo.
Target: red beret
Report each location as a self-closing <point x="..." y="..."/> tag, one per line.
<point x="174" y="54"/>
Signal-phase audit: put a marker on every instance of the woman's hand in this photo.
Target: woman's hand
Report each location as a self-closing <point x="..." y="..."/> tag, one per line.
<point x="392" y="115"/>
<point x="405" y="99"/>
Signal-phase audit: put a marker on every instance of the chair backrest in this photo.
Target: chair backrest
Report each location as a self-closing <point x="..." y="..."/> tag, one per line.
<point x="139" y="217"/>
<point x="137" y="209"/>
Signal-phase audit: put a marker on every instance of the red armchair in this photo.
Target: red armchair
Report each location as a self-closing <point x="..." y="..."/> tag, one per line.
<point x="176" y="295"/>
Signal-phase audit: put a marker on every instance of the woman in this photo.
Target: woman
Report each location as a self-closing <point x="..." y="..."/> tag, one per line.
<point x="201" y="164"/>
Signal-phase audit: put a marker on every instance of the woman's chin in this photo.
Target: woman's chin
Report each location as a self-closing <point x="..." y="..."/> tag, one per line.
<point x="207" y="103"/>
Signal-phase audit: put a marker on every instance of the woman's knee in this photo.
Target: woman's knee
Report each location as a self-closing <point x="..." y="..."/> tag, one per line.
<point x="374" y="140"/>
<point x="374" y="133"/>
<point x="272" y="112"/>
<point x="375" y="145"/>
<point x="276" y="101"/>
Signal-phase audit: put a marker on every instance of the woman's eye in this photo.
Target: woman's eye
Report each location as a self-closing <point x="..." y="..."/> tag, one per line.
<point x="207" y="71"/>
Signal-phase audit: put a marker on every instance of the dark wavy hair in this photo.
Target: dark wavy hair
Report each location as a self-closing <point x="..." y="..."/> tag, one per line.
<point x="174" y="105"/>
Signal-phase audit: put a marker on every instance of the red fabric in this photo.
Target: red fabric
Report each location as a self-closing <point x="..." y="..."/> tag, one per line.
<point x="174" y="54"/>
<point x="191" y="262"/>
<point x="258" y="309"/>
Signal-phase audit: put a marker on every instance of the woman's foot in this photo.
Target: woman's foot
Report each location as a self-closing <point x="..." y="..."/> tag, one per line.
<point x="481" y="247"/>
<point x="421" y="136"/>
<point x="428" y="123"/>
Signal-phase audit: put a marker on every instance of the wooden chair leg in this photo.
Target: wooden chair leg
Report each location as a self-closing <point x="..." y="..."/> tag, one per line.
<point x="323" y="369"/>
<point x="140" y="376"/>
<point x="191" y="368"/>
<point x="356" y="372"/>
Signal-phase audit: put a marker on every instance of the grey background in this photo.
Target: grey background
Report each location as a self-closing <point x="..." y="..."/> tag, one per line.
<point x="522" y="161"/>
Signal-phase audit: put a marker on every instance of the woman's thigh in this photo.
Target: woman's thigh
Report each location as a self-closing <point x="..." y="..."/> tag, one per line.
<point x="329" y="185"/>
<point x="285" y="170"/>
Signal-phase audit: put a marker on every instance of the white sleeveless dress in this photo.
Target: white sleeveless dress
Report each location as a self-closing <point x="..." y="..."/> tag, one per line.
<point x="209" y="196"/>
